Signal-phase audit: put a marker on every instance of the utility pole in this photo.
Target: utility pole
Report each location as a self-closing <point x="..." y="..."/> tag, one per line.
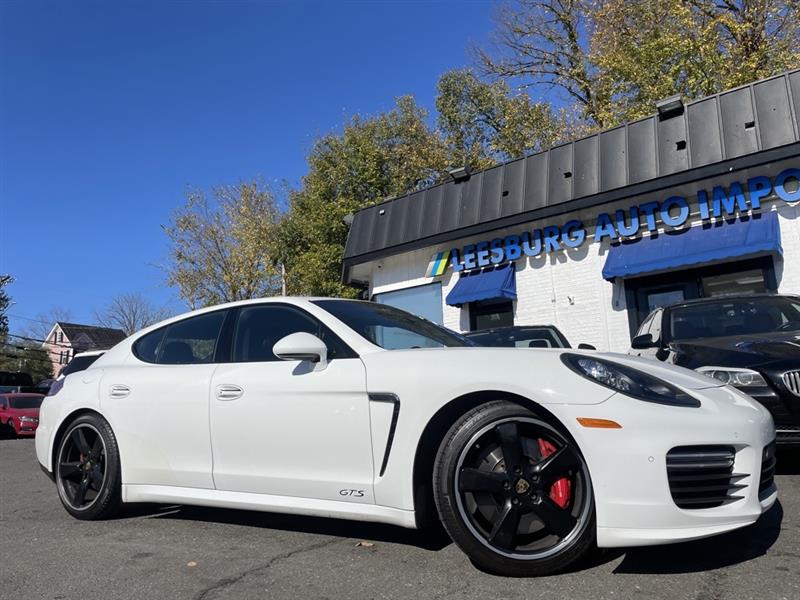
<point x="283" y="280"/>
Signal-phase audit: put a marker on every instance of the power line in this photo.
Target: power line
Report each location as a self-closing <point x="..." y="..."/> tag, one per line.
<point x="30" y="339"/>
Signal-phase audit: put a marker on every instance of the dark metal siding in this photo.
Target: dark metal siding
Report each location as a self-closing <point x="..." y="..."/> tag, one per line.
<point x="738" y="123"/>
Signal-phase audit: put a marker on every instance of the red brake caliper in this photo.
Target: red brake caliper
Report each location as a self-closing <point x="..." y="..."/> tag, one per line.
<point x="560" y="490"/>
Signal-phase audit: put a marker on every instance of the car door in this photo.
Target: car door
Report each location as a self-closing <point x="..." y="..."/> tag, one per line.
<point x="158" y="403"/>
<point x="283" y="427"/>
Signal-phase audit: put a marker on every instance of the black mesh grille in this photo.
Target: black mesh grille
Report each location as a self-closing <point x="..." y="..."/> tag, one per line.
<point x="702" y="476"/>
<point x="767" y="469"/>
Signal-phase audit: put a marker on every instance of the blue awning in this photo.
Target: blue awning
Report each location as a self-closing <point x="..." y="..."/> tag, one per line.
<point x="489" y="283"/>
<point x="758" y="234"/>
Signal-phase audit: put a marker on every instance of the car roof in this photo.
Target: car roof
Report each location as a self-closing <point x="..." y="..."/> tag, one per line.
<point x="713" y="299"/>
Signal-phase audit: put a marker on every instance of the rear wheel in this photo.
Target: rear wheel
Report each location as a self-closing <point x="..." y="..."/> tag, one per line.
<point x="87" y="469"/>
<point x="514" y="492"/>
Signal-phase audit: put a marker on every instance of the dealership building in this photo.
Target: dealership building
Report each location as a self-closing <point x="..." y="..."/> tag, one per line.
<point x="701" y="199"/>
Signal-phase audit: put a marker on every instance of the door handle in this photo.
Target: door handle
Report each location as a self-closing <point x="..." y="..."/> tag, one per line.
<point x="119" y="391"/>
<point x="228" y="391"/>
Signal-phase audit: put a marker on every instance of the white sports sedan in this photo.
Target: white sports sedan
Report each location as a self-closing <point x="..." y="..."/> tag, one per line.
<point x="350" y="409"/>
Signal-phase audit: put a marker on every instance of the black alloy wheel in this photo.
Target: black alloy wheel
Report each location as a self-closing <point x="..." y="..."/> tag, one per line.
<point x="87" y="469"/>
<point x="514" y="492"/>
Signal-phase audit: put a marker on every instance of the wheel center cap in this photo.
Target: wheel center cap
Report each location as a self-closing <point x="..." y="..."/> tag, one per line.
<point x="522" y="486"/>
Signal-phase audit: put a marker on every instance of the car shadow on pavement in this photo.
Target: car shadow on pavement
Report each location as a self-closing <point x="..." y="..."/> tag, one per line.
<point x="432" y="538"/>
<point x="707" y="554"/>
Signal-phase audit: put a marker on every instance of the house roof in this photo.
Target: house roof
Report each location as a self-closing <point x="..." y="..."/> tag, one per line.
<point x="747" y="126"/>
<point x="89" y="337"/>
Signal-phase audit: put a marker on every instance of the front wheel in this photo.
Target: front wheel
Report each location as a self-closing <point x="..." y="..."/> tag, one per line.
<point x="514" y="492"/>
<point x="87" y="469"/>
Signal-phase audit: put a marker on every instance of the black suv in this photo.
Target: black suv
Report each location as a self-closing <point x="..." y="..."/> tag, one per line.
<point x="750" y="342"/>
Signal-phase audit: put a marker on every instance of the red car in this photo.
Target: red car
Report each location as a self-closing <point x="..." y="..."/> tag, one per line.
<point x="19" y="413"/>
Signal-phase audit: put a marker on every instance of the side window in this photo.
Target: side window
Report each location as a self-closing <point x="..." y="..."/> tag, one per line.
<point x="260" y="327"/>
<point x="645" y="326"/>
<point x="146" y="347"/>
<point x="655" y="325"/>
<point x="191" y="341"/>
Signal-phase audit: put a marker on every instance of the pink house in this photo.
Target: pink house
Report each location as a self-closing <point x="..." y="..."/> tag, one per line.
<point x="65" y="340"/>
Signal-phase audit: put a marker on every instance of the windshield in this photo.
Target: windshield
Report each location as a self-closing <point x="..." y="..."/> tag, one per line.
<point x="528" y="337"/>
<point x="389" y="327"/>
<point x="79" y="363"/>
<point x="736" y="316"/>
<point x="29" y="402"/>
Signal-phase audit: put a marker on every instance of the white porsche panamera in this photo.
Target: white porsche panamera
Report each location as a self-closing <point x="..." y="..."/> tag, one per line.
<point x="357" y="410"/>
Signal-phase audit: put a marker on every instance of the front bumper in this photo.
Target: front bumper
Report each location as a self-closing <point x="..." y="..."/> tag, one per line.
<point x="634" y="503"/>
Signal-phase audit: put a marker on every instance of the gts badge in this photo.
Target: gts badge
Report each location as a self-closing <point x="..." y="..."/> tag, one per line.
<point x="352" y="493"/>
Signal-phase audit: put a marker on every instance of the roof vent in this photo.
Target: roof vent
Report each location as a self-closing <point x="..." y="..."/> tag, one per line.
<point x="460" y="173"/>
<point x="670" y="107"/>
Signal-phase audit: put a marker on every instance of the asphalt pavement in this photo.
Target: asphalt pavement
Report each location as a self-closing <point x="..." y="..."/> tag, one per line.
<point x="178" y="552"/>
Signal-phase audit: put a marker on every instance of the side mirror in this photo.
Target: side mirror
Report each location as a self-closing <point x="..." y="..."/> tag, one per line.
<point x="302" y="346"/>
<point x="586" y="347"/>
<point x="641" y="342"/>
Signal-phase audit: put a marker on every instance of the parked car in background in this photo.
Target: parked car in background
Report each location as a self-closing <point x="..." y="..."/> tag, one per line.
<point x="19" y="413"/>
<point x="750" y="342"/>
<point x="523" y="336"/>
<point x="351" y="409"/>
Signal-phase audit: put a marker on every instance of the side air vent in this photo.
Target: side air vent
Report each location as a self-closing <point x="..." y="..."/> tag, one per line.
<point x="767" y="469"/>
<point x="702" y="476"/>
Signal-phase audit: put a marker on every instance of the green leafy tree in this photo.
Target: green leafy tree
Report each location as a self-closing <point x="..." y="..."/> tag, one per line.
<point x="26" y="357"/>
<point x="646" y="50"/>
<point x="613" y="59"/>
<point x="220" y="245"/>
<point x="483" y="122"/>
<point x="371" y="159"/>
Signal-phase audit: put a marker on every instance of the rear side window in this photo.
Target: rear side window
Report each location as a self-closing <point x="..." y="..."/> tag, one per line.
<point x="259" y="328"/>
<point x="80" y="363"/>
<point x="187" y="342"/>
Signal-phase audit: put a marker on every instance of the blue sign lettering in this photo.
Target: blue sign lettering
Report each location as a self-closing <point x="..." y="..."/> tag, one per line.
<point x="673" y="212"/>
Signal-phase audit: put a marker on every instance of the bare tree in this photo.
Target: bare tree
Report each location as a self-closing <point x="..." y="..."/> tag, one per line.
<point x="546" y="42"/>
<point x="130" y="312"/>
<point x="38" y="328"/>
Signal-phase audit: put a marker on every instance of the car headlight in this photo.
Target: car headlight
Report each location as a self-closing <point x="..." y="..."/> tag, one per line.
<point x="737" y="377"/>
<point x="628" y="381"/>
<point x="28" y="419"/>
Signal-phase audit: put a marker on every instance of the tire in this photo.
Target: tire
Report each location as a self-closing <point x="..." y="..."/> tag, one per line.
<point x="12" y="432"/>
<point x="87" y="469"/>
<point x="524" y="521"/>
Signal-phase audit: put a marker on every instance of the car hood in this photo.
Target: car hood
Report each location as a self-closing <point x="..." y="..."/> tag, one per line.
<point x="522" y="358"/>
<point x="685" y="378"/>
<point x="740" y="351"/>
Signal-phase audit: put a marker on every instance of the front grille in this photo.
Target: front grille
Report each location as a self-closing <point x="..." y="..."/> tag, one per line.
<point x="767" y="468"/>
<point x="791" y="380"/>
<point x="702" y="476"/>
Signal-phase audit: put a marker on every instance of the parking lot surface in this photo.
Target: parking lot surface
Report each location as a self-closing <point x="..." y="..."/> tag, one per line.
<point x="201" y="553"/>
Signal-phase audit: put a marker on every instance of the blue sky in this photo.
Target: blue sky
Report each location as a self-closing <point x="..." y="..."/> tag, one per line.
<point x="109" y="111"/>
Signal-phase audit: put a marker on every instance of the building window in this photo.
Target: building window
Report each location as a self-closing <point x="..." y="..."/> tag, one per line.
<point x="488" y="314"/>
<point x="424" y="301"/>
<point x="60" y="336"/>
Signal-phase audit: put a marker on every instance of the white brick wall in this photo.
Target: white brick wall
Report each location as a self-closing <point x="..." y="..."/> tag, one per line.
<point x="566" y="289"/>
